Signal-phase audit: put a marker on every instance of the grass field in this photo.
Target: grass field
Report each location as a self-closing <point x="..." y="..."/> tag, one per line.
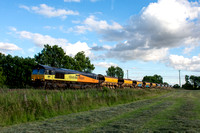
<point x="177" y="111"/>
<point x="21" y="106"/>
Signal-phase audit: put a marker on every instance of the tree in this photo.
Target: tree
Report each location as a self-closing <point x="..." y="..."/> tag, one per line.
<point x="119" y="72"/>
<point x="153" y="79"/>
<point x="176" y="86"/>
<point x="68" y="62"/>
<point x="52" y="56"/>
<point x="195" y="81"/>
<point x="165" y="83"/>
<point x="2" y="78"/>
<point x="82" y="63"/>
<point x="187" y="79"/>
<point x="111" y="71"/>
<point x="55" y="56"/>
<point x="16" y="70"/>
<point x="191" y="82"/>
<point x="115" y="72"/>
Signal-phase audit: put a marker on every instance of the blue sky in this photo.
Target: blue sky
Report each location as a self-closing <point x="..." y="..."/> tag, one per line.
<point x="145" y="37"/>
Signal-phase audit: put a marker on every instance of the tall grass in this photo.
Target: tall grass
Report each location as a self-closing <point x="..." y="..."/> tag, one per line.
<point x="19" y="106"/>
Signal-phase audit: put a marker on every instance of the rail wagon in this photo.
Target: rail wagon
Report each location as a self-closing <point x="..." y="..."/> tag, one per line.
<point x="137" y="84"/>
<point x="125" y="83"/>
<point x="146" y="84"/>
<point x="105" y="81"/>
<point x="50" y="77"/>
<point x="158" y="85"/>
<point x="153" y="85"/>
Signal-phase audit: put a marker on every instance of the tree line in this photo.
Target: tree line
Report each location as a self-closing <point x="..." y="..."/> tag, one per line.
<point x="15" y="72"/>
<point x="191" y="82"/>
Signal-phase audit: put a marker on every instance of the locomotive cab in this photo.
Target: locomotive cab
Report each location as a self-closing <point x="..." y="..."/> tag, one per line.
<point x="39" y="74"/>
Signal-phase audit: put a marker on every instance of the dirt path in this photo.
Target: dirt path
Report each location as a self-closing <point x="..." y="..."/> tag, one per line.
<point x="176" y="111"/>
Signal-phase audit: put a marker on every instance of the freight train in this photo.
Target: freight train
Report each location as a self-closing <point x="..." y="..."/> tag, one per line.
<point x="51" y="78"/>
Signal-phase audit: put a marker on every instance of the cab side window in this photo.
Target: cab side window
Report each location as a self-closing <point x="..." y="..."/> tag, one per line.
<point x="60" y="75"/>
<point x="47" y="72"/>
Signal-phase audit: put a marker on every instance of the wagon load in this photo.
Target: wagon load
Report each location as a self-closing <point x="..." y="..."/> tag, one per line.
<point x="109" y="82"/>
<point x="153" y="85"/>
<point x="137" y="84"/>
<point x="125" y="83"/>
<point x="146" y="84"/>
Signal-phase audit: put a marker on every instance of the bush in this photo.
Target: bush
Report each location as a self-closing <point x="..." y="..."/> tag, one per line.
<point x="176" y="86"/>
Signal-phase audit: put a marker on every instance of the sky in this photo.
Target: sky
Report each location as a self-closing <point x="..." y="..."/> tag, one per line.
<point x="143" y="37"/>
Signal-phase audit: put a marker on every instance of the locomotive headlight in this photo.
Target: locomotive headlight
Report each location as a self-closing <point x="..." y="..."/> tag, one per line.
<point x="31" y="79"/>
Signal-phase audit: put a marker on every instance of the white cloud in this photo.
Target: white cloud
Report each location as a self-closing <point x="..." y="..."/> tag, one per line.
<point x="139" y="54"/>
<point x="4" y="47"/>
<point x="188" y="49"/>
<point x="40" y="40"/>
<point x="107" y="47"/>
<point x="172" y="14"/>
<point x="91" y="24"/>
<point x="25" y="7"/>
<point x="48" y="11"/>
<point x="72" y="49"/>
<point x="105" y="64"/>
<point x="160" y="26"/>
<point x="72" y="0"/>
<point x="182" y="63"/>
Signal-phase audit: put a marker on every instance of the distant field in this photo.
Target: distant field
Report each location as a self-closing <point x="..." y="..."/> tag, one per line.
<point x="177" y="111"/>
<point x="21" y="106"/>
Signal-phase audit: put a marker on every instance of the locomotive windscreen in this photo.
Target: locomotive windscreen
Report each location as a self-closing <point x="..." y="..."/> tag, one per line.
<point x="38" y="71"/>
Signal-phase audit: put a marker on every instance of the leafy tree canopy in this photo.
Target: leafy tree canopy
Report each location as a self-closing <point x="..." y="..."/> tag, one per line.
<point x="51" y="55"/>
<point x="165" y="83"/>
<point x="2" y="77"/>
<point x="115" y="72"/>
<point x="176" y="86"/>
<point x="82" y="63"/>
<point x="55" y="56"/>
<point x="192" y="82"/>
<point x="153" y="79"/>
<point x="16" y="70"/>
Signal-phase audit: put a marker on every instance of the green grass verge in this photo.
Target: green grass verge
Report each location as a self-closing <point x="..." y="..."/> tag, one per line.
<point x="19" y="106"/>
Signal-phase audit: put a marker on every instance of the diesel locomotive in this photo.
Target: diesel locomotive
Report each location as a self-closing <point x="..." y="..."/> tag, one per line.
<point x="51" y="78"/>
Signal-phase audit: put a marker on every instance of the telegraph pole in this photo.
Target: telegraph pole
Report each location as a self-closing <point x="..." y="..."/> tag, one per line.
<point x="179" y="78"/>
<point x="127" y="74"/>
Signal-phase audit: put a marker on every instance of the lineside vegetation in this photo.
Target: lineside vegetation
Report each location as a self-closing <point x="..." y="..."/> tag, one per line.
<point x="20" y="106"/>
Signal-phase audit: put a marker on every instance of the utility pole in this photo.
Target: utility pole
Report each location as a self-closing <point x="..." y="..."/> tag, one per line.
<point x="127" y="74"/>
<point x="179" y="78"/>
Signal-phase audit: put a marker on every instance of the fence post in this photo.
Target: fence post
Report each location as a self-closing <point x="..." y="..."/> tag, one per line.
<point x="46" y="99"/>
<point x="87" y="95"/>
<point x="75" y="97"/>
<point x="61" y="97"/>
<point x="25" y="99"/>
